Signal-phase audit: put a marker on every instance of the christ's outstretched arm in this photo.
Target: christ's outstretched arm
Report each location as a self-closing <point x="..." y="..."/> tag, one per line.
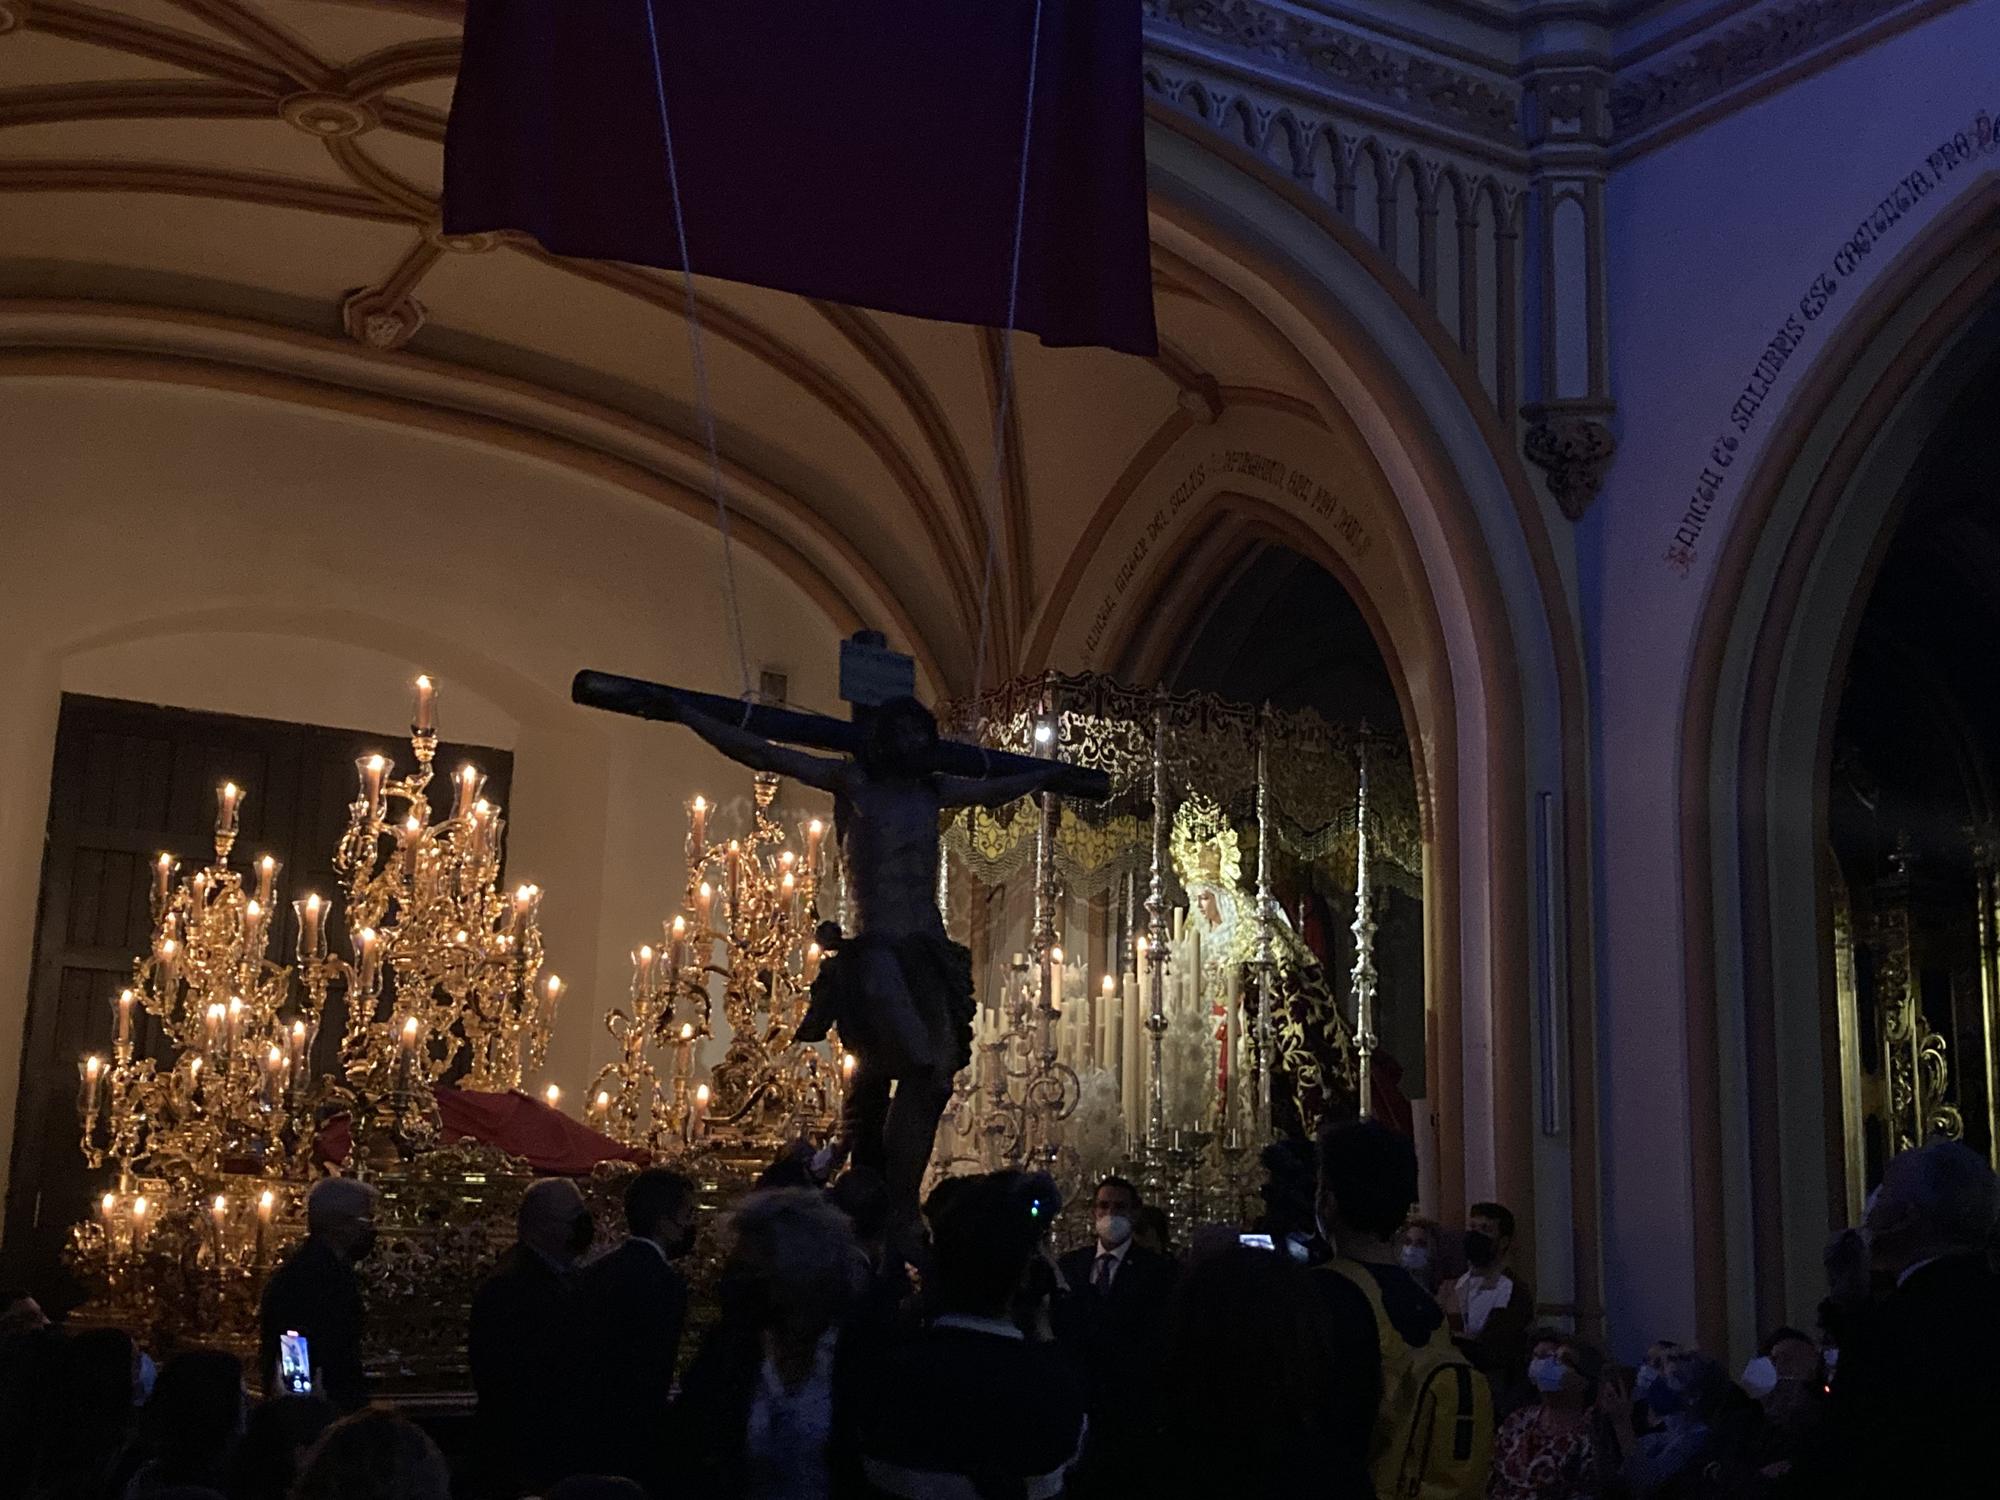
<point x="995" y="791"/>
<point x="760" y="754"/>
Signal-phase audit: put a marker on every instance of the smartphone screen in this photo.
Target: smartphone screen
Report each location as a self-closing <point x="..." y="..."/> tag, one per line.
<point x="294" y="1364"/>
<point x="1256" y="1241"/>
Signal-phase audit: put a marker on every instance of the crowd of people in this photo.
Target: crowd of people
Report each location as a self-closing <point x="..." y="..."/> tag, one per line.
<point x="1328" y="1351"/>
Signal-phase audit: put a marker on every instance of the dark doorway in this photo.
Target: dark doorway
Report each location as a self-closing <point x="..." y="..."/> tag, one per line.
<point x="131" y="780"/>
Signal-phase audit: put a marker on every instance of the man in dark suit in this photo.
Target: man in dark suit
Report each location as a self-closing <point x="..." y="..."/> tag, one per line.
<point x="519" y="1344"/>
<point x="1113" y="1322"/>
<point x="1919" y="1375"/>
<point x="315" y="1292"/>
<point x="631" y="1307"/>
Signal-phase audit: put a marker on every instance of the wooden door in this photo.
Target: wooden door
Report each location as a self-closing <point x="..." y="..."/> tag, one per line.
<point x="130" y="780"/>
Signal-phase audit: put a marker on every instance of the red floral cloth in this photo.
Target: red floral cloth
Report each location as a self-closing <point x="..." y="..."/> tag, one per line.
<point x="1533" y="1459"/>
<point x="546" y="1139"/>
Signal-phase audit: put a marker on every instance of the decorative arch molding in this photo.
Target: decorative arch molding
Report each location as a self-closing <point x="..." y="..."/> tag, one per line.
<point x="1477" y="554"/>
<point x="98" y="341"/>
<point x="1774" y="636"/>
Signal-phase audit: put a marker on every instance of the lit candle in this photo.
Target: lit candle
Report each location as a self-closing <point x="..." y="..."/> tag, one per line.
<point x="704" y="908"/>
<point x="481" y="826"/>
<point x="812" y="962"/>
<point x="847" y="1065"/>
<point x="677" y="948"/>
<point x="553" y="1095"/>
<point x="312" y="935"/>
<point x="411" y="1032"/>
<point x="234" y="1026"/>
<point x="167" y="969"/>
<point x="93" y="1074"/>
<point x="194" y="1076"/>
<point x="296" y="1048"/>
<point x="600" y="1108"/>
<point x="700" y="1112"/>
<point x="124" y="1007"/>
<point x="643" y="964"/>
<point x="267" y="1204"/>
<point x="424" y="721"/>
<point x="212" y="1020"/>
<point x="1107" y="1023"/>
<point x="274" y="1076"/>
<point x="163" y="878"/>
<point x="698" y="827"/>
<point x="1056" y="976"/>
<point x="788" y="892"/>
<point x="267" y="880"/>
<point x="467" y="784"/>
<point x="227" y="801"/>
<point x="526" y="899"/>
<point x="552" y="992"/>
<point x="815" y="831"/>
<point x="140" y="1208"/>
<point x="108" y="1205"/>
<point x="374" y="771"/>
<point x="734" y="865"/>
<point x="198" y="890"/>
<point x="366" y="946"/>
<point x="253" y="922"/>
<point x="219" y="1212"/>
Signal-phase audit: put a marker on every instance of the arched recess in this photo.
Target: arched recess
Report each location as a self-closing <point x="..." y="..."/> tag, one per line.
<point x="1402" y="476"/>
<point x="1772" y="648"/>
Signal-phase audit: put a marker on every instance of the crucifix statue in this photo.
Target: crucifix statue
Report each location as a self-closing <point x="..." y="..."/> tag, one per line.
<point x="898" y="987"/>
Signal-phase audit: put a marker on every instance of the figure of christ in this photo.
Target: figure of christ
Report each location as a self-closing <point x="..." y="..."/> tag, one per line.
<point x="899" y="989"/>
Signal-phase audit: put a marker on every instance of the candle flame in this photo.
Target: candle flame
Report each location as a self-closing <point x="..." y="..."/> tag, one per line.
<point x="847" y="1064"/>
<point x="701" y="1095"/>
<point x="221" y="1205"/>
<point x="815" y="827"/>
<point x="267" y="864"/>
<point x="1055" y="955"/>
<point x="646" y="954"/>
<point x="267" y="1200"/>
<point x="251" y="910"/>
<point x="700" y="803"/>
<point x="687" y="1032"/>
<point x="277" y="1056"/>
<point x="1110" y="985"/>
<point x="410" y="1029"/>
<point x="139" y="1207"/>
<point x="553" y="1095"/>
<point x="707" y="890"/>
<point x="108" y="1202"/>
<point x="194" y="1067"/>
<point x="166" y="860"/>
<point x="235" y="1006"/>
<point x="313" y="904"/>
<point x="423" y="680"/>
<point x="680" y="926"/>
<point x="378" y="763"/>
<point x="231" y="790"/>
<point x="603" y="1099"/>
<point x="553" y="986"/>
<point x="298" y="1031"/>
<point x="93" y="1066"/>
<point x="413" y="825"/>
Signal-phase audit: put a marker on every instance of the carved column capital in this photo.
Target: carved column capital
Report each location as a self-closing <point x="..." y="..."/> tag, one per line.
<point x="1573" y="446"/>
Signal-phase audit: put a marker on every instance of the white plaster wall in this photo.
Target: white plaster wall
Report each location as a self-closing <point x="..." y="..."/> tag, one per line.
<point x="226" y="552"/>
<point x="1714" y="240"/>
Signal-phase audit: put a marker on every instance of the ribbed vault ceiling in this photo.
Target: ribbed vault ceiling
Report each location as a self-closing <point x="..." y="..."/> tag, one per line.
<point x="280" y="161"/>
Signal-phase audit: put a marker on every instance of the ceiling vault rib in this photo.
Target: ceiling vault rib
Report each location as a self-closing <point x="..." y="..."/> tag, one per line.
<point x="816" y="380"/>
<point x="868" y="337"/>
<point x="163" y="44"/>
<point x="406" y="62"/>
<point x="267" y="38"/>
<point x="371" y="176"/>
<point x="139" y="99"/>
<point x="1014" y="599"/>
<point x="176" y="179"/>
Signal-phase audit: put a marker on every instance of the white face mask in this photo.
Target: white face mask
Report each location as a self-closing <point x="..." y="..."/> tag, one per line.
<point x="1549" y="1374"/>
<point x="1644" y="1381"/>
<point x="1113" y="1230"/>
<point x="1416" y="1259"/>
<point x="143" y="1378"/>
<point x="1760" y="1377"/>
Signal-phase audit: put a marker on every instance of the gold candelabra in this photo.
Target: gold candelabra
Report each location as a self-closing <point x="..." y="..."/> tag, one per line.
<point x="628" y="1101"/>
<point x="445" y="966"/>
<point x="235" y="1095"/>
<point x="211" y="1140"/>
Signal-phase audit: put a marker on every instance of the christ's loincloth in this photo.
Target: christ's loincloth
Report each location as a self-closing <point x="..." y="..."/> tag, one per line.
<point x="925" y="1024"/>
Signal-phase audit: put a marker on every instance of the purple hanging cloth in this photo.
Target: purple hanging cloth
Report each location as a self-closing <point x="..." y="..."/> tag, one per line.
<point x="862" y="151"/>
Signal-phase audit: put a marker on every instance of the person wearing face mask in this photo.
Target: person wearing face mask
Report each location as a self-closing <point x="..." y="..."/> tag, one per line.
<point x="1787" y="1380"/>
<point x="631" y="1307"/>
<point x="1918" y="1383"/>
<point x="1489" y="1306"/>
<point x="519" y="1343"/>
<point x="1417" y="1251"/>
<point x="1564" y="1446"/>
<point x="316" y="1292"/>
<point x="1113" y="1323"/>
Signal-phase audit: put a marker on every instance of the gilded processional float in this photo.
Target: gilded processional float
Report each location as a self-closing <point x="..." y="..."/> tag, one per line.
<point x="1148" y="1003"/>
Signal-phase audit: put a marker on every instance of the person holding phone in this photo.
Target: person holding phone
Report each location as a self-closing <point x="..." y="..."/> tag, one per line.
<point x="316" y="1294"/>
